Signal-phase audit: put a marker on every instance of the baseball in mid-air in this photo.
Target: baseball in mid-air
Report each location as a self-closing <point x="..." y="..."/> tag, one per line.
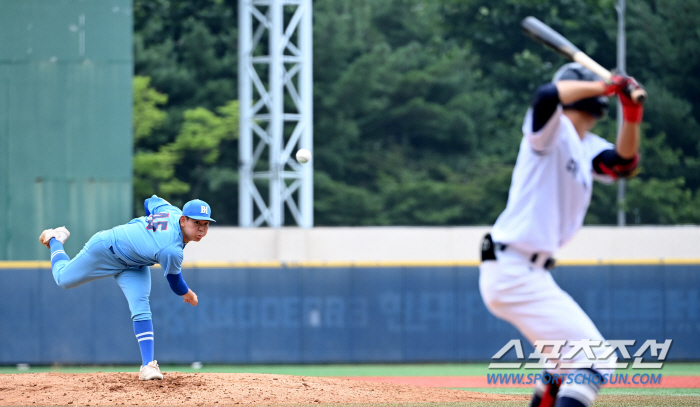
<point x="303" y="155"/>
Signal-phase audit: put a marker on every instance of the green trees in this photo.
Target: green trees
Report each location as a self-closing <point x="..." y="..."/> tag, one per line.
<point x="196" y="148"/>
<point x="417" y="105"/>
<point x="188" y="49"/>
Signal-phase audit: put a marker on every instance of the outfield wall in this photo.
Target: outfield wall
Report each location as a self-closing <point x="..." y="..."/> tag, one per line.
<point x="338" y="314"/>
<point x="344" y="295"/>
<point x="454" y="245"/>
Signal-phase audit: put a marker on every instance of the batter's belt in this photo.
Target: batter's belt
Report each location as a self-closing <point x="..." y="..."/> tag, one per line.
<point x="489" y="249"/>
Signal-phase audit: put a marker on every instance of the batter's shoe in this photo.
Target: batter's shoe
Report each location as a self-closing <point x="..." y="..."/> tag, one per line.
<point x="150" y="372"/>
<point x="60" y="233"/>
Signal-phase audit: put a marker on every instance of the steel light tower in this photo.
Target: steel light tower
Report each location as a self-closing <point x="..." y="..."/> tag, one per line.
<point x="621" y="67"/>
<point x="276" y="116"/>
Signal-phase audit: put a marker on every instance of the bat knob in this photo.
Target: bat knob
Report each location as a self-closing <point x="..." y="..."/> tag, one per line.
<point x="638" y="96"/>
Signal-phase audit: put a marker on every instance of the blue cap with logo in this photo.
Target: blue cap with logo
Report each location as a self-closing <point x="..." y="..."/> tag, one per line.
<point x="197" y="209"/>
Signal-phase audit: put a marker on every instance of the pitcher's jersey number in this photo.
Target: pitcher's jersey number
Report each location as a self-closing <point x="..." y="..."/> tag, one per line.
<point x="154" y="224"/>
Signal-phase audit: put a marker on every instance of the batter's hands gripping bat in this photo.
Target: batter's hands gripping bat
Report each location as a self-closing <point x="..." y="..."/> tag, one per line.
<point x="543" y="33"/>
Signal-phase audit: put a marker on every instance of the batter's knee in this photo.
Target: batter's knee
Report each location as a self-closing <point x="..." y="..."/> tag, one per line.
<point x="495" y="307"/>
<point x="490" y="297"/>
<point x="497" y="297"/>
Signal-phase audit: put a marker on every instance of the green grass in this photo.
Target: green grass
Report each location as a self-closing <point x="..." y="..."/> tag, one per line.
<point x="447" y="404"/>
<point x="602" y="401"/>
<point x="645" y="401"/>
<point x="616" y="391"/>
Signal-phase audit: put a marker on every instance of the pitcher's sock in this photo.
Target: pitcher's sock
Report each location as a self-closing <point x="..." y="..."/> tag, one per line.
<point x="144" y="334"/>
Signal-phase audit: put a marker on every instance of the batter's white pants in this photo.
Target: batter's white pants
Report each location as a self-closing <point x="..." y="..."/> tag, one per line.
<point x="527" y="296"/>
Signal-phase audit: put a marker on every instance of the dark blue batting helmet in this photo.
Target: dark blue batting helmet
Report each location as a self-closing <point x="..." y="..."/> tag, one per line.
<point x="595" y="106"/>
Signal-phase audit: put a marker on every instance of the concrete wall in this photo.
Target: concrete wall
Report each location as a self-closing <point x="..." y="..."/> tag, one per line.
<point x="431" y="244"/>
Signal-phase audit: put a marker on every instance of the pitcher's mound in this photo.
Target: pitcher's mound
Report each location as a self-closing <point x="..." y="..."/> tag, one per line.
<point x="209" y="389"/>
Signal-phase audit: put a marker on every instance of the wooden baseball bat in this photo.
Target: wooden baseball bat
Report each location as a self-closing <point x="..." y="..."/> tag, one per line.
<point x="544" y="34"/>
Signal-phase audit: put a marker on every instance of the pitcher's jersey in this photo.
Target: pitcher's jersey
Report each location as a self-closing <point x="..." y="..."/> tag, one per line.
<point x="551" y="186"/>
<point x="155" y="238"/>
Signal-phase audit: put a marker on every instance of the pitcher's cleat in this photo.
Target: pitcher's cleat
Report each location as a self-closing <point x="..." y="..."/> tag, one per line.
<point x="150" y="372"/>
<point x="60" y="233"/>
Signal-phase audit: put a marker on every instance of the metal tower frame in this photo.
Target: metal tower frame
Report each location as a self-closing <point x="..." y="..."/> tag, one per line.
<point x="276" y="111"/>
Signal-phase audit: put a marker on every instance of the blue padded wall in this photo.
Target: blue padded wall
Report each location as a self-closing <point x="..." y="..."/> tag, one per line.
<point x="329" y="315"/>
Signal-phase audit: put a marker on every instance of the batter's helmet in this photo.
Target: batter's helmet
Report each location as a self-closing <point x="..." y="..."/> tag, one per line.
<point x="595" y="106"/>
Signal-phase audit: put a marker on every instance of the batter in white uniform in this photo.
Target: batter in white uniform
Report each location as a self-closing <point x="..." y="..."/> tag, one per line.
<point x="548" y="199"/>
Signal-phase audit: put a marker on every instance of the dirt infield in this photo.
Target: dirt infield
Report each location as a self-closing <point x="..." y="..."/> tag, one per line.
<point x="220" y="389"/>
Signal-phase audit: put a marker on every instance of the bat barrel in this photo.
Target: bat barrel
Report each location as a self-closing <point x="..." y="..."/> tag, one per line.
<point x="544" y="34"/>
<point x="547" y="36"/>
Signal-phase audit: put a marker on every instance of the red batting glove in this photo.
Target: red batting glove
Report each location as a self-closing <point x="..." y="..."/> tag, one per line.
<point x="614" y="84"/>
<point x="631" y="111"/>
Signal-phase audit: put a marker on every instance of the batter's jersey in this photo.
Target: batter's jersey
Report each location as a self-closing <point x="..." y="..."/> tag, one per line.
<point x="151" y="239"/>
<point x="551" y="186"/>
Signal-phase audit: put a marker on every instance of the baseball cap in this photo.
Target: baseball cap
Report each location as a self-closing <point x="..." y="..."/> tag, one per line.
<point x="197" y="209"/>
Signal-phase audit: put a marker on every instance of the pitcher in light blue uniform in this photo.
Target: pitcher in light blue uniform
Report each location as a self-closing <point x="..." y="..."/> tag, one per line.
<point x="126" y="252"/>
